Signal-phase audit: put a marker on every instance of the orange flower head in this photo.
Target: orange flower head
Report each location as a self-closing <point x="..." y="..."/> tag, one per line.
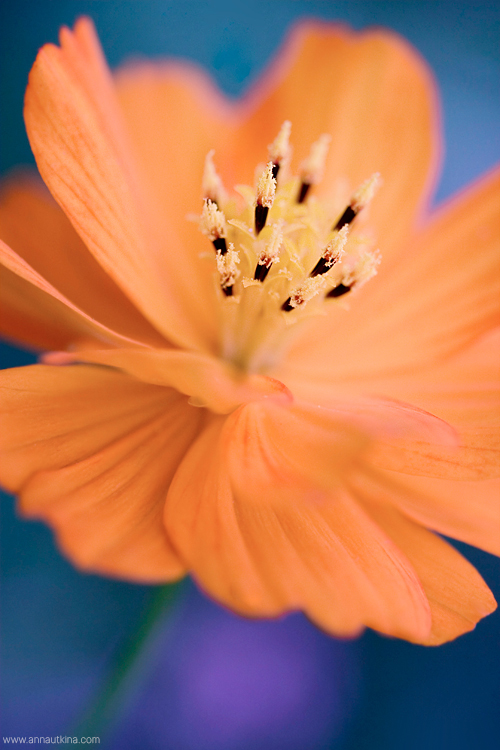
<point x="220" y="391"/>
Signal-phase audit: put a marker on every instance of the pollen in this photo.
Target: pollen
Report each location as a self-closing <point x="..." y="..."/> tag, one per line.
<point x="366" y="192"/>
<point x="266" y="191"/>
<point x="212" y="186"/>
<point x="213" y="221"/>
<point x="266" y="187"/>
<point x="270" y="252"/>
<point x="305" y="292"/>
<point x="279" y="150"/>
<point x="281" y="260"/>
<point x="312" y="169"/>
<point x="332" y="253"/>
<point x="227" y="266"/>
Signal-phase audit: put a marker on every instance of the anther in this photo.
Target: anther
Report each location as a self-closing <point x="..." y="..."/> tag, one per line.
<point x="213" y="225"/>
<point x="270" y="253"/>
<point x="360" y="199"/>
<point x="212" y="186"/>
<point x="306" y="291"/>
<point x="266" y="190"/>
<point x="332" y="253"/>
<point x="227" y="267"/>
<point x="364" y="269"/>
<point x="312" y="168"/>
<point x="339" y="290"/>
<point x="279" y="149"/>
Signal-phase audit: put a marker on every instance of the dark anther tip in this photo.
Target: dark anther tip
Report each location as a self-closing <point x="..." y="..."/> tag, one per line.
<point x="286" y="306"/>
<point x="339" y="291"/>
<point x="261" y="272"/>
<point x="346" y="218"/>
<point x="304" y="189"/>
<point x="322" y="266"/>
<point x="228" y="291"/>
<point x="260" y="217"/>
<point x="276" y="169"/>
<point x="220" y="244"/>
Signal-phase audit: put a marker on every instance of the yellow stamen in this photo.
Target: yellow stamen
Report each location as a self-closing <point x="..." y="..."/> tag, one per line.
<point x="306" y="291"/>
<point x="312" y="169"/>
<point x="366" y="192"/>
<point x="255" y="334"/>
<point x="213" y="221"/>
<point x="227" y="266"/>
<point x="364" y="269"/>
<point x="335" y="249"/>
<point x="271" y="252"/>
<point x="279" y="149"/>
<point x="266" y="187"/>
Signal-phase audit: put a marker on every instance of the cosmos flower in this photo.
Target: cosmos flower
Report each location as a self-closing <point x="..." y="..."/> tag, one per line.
<point x="285" y="389"/>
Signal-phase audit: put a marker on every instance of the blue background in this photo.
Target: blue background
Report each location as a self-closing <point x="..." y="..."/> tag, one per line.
<point x="211" y="680"/>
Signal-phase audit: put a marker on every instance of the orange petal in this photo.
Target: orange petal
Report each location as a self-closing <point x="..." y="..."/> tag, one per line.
<point x="107" y="509"/>
<point x="210" y="382"/>
<point x="374" y="95"/>
<point x="34" y="225"/>
<point x="443" y="293"/>
<point x="465" y="391"/>
<point x="79" y="141"/>
<point x="31" y="317"/>
<point x="55" y="416"/>
<point x="25" y="289"/>
<point x="403" y="437"/>
<point x="175" y="115"/>
<point x="264" y="539"/>
<point x="457" y="594"/>
<point x="468" y="511"/>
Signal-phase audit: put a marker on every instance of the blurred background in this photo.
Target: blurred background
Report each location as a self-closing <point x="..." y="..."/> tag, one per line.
<point x="209" y="680"/>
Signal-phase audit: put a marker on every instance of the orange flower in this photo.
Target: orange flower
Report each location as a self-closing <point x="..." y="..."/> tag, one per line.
<point x="260" y="420"/>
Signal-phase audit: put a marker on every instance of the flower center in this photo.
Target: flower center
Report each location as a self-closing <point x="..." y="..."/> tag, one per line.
<point x="281" y="255"/>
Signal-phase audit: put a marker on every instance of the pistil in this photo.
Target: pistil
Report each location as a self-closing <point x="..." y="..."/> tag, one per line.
<point x="266" y="190"/>
<point x="212" y="186"/>
<point x="270" y="253"/>
<point x="305" y="292"/>
<point x="279" y="149"/>
<point x="357" y="275"/>
<point x="227" y="268"/>
<point x="213" y="225"/>
<point x="360" y="199"/>
<point x="332" y="253"/>
<point x="312" y="169"/>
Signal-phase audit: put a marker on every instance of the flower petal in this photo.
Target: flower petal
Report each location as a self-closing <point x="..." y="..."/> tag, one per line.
<point x="34" y="225"/>
<point x="93" y="452"/>
<point x="403" y="437"/>
<point x="263" y="538"/>
<point x="375" y="96"/>
<point x="465" y="391"/>
<point x="25" y="289"/>
<point x="107" y="509"/>
<point x="457" y="594"/>
<point x="468" y="511"/>
<point x="442" y="294"/>
<point x="210" y="382"/>
<point x="83" y="154"/>
<point x="30" y="316"/>
<point x="55" y="416"/>
<point x="175" y="116"/>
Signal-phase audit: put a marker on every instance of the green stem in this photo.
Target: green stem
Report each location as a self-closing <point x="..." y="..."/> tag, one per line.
<point x="129" y="663"/>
